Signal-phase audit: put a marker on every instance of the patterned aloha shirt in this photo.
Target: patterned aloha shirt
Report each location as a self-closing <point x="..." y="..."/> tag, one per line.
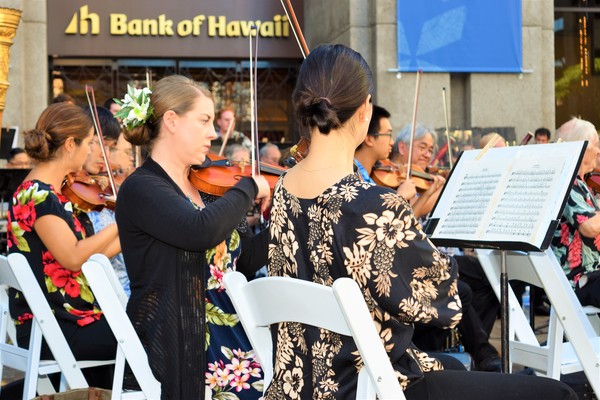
<point x="67" y="291"/>
<point x="576" y="253"/>
<point x="233" y="372"/>
<point x="366" y="232"/>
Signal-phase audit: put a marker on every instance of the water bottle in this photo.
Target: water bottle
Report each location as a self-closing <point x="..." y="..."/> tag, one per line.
<point x="526" y="302"/>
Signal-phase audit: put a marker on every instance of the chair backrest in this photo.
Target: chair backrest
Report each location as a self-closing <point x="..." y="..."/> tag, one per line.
<point x="97" y="271"/>
<point x="112" y="277"/>
<point x="340" y="308"/>
<point x="15" y="272"/>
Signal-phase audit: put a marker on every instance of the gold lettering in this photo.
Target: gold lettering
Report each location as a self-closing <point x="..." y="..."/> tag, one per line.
<point x="184" y="28"/>
<point x="72" y="28"/>
<point x="85" y="19"/>
<point x="277" y="20"/>
<point x="267" y="28"/>
<point x="198" y="20"/>
<point x="134" y="27"/>
<point x="165" y="26"/>
<point x="118" y="24"/>
<point x="286" y="26"/>
<point x="246" y="27"/>
<point x="150" y="27"/>
<point x="233" y="29"/>
<point x="216" y="28"/>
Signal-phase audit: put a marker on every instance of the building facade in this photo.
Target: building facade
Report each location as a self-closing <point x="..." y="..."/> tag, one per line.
<point x="62" y="47"/>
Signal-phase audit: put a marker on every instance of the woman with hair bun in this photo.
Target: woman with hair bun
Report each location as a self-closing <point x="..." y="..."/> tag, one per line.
<point x="340" y="226"/>
<point x="178" y="243"/>
<point x="42" y="227"/>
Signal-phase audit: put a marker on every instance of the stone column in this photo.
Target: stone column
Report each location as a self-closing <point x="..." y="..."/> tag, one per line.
<point x="9" y="21"/>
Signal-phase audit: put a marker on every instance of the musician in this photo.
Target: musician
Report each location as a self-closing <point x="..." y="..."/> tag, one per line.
<point x="18" y="159"/>
<point x="224" y="118"/>
<point x="422" y="151"/>
<point x="339" y="226"/>
<point x="542" y="135"/>
<point x="178" y="243"/>
<point x="42" y="227"/>
<point x="270" y="154"/>
<point x="576" y="242"/>
<point x="96" y="220"/>
<point x="485" y="139"/>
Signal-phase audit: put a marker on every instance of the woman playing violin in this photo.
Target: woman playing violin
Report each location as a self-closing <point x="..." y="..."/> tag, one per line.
<point x="177" y="245"/>
<point x="422" y="151"/>
<point x="96" y="220"/>
<point x="43" y="227"/>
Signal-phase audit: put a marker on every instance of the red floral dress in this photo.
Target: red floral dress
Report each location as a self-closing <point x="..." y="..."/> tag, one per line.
<point x="67" y="292"/>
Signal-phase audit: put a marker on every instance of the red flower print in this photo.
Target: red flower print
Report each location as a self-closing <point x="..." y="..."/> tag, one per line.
<point x="25" y="215"/>
<point x="581" y="218"/>
<point x="88" y="316"/>
<point x="25" y="317"/>
<point x="564" y="234"/>
<point x="71" y="287"/>
<point x="597" y="242"/>
<point x="61" y="277"/>
<point x="574" y="256"/>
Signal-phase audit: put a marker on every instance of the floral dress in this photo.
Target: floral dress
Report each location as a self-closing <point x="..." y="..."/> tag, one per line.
<point x="576" y="253"/>
<point x="366" y="232"/>
<point x="67" y="291"/>
<point x="233" y="372"/>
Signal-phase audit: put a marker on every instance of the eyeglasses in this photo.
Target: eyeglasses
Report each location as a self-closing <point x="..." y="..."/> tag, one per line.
<point x="382" y="134"/>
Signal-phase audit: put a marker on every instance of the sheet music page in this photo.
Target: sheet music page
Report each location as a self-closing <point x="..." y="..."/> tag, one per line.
<point x="509" y="195"/>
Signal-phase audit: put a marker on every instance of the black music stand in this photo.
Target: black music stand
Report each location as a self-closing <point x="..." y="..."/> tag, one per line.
<point x="507" y="198"/>
<point x="10" y="179"/>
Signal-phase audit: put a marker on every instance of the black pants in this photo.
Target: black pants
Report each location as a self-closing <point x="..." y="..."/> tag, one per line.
<point x="589" y="295"/>
<point x="462" y="385"/>
<point x="91" y="342"/>
<point x="484" y="301"/>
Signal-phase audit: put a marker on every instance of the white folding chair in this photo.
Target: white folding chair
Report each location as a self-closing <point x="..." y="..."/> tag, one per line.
<point x="98" y="272"/>
<point x="340" y="308"/>
<point x="15" y="272"/>
<point x="567" y="316"/>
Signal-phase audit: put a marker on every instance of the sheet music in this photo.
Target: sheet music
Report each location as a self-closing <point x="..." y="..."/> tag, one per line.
<point x="509" y="195"/>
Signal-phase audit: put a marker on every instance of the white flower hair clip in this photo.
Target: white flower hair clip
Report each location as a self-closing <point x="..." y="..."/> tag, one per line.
<point x="135" y="107"/>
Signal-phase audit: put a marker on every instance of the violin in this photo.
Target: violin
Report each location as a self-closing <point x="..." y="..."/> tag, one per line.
<point x="593" y="181"/>
<point x="85" y="192"/>
<point x="386" y="173"/>
<point x="217" y="174"/>
<point x="88" y="193"/>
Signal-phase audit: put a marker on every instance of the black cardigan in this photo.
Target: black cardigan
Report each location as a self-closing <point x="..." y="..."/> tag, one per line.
<point x="164" y="240"/>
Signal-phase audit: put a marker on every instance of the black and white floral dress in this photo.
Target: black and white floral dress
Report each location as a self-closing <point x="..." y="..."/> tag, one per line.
<point x="366" y="232"/>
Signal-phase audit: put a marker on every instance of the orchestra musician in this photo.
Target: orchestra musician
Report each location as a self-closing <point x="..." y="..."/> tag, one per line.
<point x="178" y="243"/>
<point x="42" y="227"/>
<point x="94" y="221"/>
<point x="422" y="151"/>
<point x="576" y="242"/>
<point x="340" y="226"/>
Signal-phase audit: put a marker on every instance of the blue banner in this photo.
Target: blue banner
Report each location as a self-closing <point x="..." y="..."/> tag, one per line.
<point x="459" y="35"/>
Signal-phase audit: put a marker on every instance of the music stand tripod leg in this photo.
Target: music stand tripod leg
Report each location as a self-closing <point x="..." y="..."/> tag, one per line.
<point x="504" y="313"/>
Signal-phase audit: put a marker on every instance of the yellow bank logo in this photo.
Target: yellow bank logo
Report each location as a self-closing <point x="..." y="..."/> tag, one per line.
<point x="81" y="22"/>
<point x="85" y="22"/>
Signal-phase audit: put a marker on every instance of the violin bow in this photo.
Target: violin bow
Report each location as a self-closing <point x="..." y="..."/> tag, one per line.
<point x="226" y="138"/>
<point x="252" y="105"/>
<point x="89" y="94"/>
<point x="414" y="124"/>
<point x="295" y="27"/>
<point x="448" y="143"/>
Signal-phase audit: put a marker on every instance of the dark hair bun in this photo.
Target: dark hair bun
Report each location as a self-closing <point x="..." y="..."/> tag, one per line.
<point x="318" y="112"/>
<point x="38" y="144"/>
<point x="139" y="136"/>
